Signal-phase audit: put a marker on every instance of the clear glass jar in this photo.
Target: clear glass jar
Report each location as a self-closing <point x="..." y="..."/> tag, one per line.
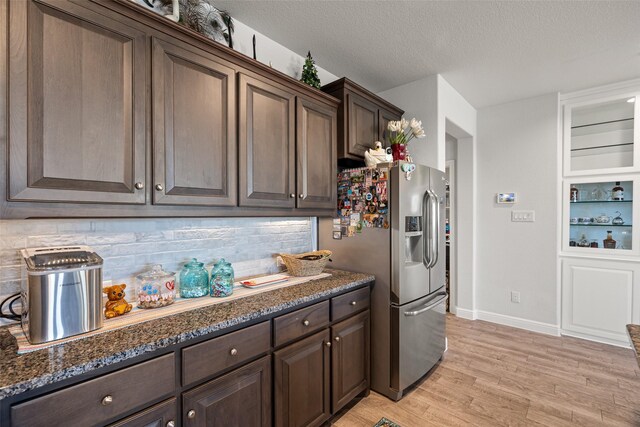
<point x="222" y="279"/>
<point x="194" y="280"/>
<point x="156" y="288"/>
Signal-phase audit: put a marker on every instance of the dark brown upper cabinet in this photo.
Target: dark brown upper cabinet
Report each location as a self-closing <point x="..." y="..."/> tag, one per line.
<point x="317" y="156"/>
<point x="267" y="134"/>
<point x="362" y="119"/>
<point x="194" y="124"/>
<point x="77" y="90"/>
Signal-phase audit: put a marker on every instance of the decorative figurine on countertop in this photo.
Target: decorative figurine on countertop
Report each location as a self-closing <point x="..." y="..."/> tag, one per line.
<point x="194" y="280"/>
<point x="117" y="305"/>
<point x="222" y="279"/>
<point x="376" y="155"/>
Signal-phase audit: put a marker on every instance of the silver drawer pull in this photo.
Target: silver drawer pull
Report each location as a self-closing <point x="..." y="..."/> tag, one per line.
<point x="191" y="414"/>
<point x="159" y="187"/>
<point x="171" y="424"/>
<point x="352" y="303"/>
<point x="305" y="322"/>
<point x="233" y="352"/>
<point x="328" y="343"/>
<point x="337" y="339"/>
<point x="107" y="400"/>
<point x="292" y="195"/>
<point x="139" y="185"/>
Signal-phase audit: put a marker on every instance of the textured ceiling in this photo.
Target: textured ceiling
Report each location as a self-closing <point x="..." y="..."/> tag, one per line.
<point x="490" y="51"/>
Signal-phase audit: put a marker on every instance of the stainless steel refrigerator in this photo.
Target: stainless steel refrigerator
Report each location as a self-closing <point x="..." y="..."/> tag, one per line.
<point x="408" y="261"/>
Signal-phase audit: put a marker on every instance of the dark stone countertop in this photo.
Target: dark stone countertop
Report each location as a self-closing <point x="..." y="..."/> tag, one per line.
<point x="634" y="335"/>
<point x="20" y="373"/>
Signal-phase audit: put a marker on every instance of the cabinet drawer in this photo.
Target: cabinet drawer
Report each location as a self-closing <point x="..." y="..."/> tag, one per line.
<point x="300" y="322"/>
<point x="349" y="303"/>
<point x="207" y="358"/>
<point x="88" y="404"/>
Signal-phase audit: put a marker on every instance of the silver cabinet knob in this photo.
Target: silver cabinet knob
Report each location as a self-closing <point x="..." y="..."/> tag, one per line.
<point x="107" y="400"/>
<point x="171" y="424"/>
<point x="159" y="187"/>
<point x="301" y="196"/>
<point x="139" y="185"/>
<point x="328" y="343"/>
<point x="306" y="322"/>
<point x="191" y="414"/>
<point x="233" y="352"/>
<point x="353" y="303"/>
<point x="292" y="195"/>
<point x="337" y="339"/>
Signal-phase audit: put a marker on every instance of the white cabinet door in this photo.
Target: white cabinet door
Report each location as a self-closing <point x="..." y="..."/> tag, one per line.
<point x="599" y="298"/>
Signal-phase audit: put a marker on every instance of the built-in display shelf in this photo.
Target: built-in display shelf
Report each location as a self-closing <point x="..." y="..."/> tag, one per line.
<point x="600" y="225"/>
<point x="601" y="201"/>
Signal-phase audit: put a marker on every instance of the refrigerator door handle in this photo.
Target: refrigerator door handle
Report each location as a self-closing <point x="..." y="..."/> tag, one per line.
<point x="426" y="238"/>
<point x="435" y="228"/>
<point x="428" y="307"/>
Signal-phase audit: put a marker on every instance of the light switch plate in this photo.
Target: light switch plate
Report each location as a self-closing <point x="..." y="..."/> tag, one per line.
<point x="523" y="216"/>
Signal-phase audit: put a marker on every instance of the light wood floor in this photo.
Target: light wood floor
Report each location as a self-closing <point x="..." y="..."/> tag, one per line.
<point x="494" y="375"/>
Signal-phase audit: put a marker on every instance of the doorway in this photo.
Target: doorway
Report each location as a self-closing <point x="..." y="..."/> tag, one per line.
<point x="450" y="215"/>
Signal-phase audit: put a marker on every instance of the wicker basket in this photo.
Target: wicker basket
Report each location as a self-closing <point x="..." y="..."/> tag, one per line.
<point x="303" y="267"/>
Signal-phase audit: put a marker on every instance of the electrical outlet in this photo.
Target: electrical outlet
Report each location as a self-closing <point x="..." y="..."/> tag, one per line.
<point x="523" y="216"/>
<point x="515" y="297"/>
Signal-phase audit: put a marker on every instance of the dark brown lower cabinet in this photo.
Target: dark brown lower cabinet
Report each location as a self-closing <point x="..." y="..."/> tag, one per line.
<point x="349" y="359"/>
<point x="239" y="398"/>
<point x="160" y="415"/>
<point x="302" y="378"/>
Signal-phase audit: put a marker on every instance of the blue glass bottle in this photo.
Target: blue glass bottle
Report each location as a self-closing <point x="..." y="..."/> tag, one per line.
<point x="222" y="279"/>
<point x="194" y="280"/>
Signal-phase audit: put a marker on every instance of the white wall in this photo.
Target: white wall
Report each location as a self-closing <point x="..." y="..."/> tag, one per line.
<point x="443" y="110"/>
<point x="267" y="50"/>
<point x="517" y="152"/>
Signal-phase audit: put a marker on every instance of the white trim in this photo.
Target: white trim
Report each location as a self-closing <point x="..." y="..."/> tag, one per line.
<point x="465" y="314"/>
<point x="517" y="322"/>
<point x="453" y="258"/>
<point x="595" y="338"/>
<point x="614" y="87"/>
<point x="629" y="258"/>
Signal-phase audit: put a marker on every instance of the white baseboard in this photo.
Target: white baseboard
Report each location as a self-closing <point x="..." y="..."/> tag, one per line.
<point x="516" y="322"/>
<point x="464" y="313"/>
<point x="624" y="343"/>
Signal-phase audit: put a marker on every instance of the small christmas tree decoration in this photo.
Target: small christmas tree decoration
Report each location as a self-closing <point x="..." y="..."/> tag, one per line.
<point x="310" y="72"/>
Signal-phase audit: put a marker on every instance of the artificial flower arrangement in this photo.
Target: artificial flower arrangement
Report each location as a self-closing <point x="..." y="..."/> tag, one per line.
<point x="400" y="133"/>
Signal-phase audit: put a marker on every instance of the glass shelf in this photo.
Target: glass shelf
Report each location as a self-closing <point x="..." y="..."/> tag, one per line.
<point x="600" y="225"/>
<point x="600" y="201"/>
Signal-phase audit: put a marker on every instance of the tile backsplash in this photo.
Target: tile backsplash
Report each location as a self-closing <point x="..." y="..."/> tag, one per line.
<point x="130" y="246"/>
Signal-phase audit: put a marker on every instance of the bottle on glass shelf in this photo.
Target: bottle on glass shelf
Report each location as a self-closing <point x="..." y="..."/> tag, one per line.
<point x="609" y="243"/>
<point x="583" y="242"/>
<point x="617" y="192"/>
<point x="574" y="194"/>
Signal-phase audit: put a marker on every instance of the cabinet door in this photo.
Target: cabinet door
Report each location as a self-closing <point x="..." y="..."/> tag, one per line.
<point x="599" y="298"/>
<point x="363" y="124"/>
<point x="194" y="127"/>
<point x="240" y="398"/>
<point x="267" y="144"/>
<point x="384" y="117"/>
<point x="159" y="415"/>
<point x="349" y="359"/>
<point x="317" y="155"/>
<point x="301" y="376"/>
<point x="77" y="100"/>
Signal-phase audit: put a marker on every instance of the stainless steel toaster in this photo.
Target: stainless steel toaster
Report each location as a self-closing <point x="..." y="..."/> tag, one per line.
<point x="61" y="292"/>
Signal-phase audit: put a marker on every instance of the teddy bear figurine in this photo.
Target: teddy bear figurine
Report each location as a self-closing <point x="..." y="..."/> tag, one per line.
<point x="117" y="305"/>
